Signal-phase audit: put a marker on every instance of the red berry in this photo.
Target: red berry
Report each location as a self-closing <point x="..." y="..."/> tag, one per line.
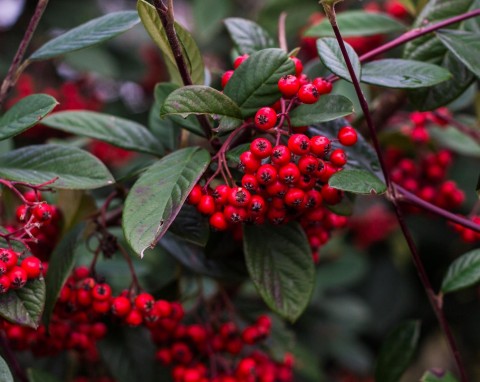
<point x="101" y="292"/>
<point x="308" y="94"/>
<point x="347" y="136"/>
<point x="134" y="318"/>
<point x="239" y="60"/>
<point x="277" y="189"/>
<point x="320" y="145"/>
<point x="314" y="199"/>
<point x="8" y="257"/>
<point x="261" y="148"/>
<point x="234" y="214"/>
<point x="338" y="158"/>
<point x="220" y="194"/>
<point x="266" y="174"/>
<point x="250" y="335"/>
<point x="18" y="277"/>
<point x="265" y="118"/>
<point x="206" y="205"/>
<point x="226" y="77"/>
<point x="195" y="195"/>
<point x="295" y="198"/>
<point x="280" y="155"/>
<point x="249" y="163"/>
<point x="121" y="306"/>
<point x="308" y="164"/>
<point x="42" y="212"/>
<point x="218" y="221"/>
<point x="288" y="85"/>
<point x="323" y="86"/>
<point x="101" y="307"/>
<point x="22" y="212"/>
<point x="299" y="144"/>
<point x="239" y="197"/>
<point x="165" y="309"/>
<point x="298" y="65"/>
<point x="32" y="266"/>
<point x="289" y="174"/>
<point x="257" y="205"/>
<point x="32" y="196"/>
<point x="4" y="284"/>
<point x="331" y="195"/>
<point x="249" y="181"/>
<point x="144" y="302"/>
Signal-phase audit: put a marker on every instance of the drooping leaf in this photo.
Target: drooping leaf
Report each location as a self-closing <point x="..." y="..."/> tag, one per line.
<point x="156" y="198"/>
<point x="59" y="268"/>
<point x="397" y="352"/>
<point x="152" y="23"/>
<point x="463" y="272"/>
<point x="403" y="74"/>
<point x="357" y="23"/>
<point x="117" y="131"/>
<point x="327" y="108"/>
<point x="191" y="226"/>
<point x="35" y="375"/>
<point x="254" y="84"/>
<point x="455" y="140"/>
<point x="163" y="128"/>
<point x="357" y="181"/>
<point x="332" y="57"/>
<point x="463" y="45"/>
<point x="280" y="264"/>
<point x="75" y="168"/>
<point x="249" y="37"/>
<point x="5" y="374"/>
<point x="199" y="99"/>
<point x="438" y="376"/>
<point x="24" y="306"/>
<point x="25" y="113"/>
<point x="88" y="34"/>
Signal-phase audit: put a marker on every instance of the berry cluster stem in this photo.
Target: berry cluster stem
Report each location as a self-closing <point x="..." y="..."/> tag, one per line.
<point x="434" y="301"/>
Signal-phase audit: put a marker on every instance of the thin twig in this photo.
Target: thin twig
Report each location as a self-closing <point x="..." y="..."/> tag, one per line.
<point x="13" y="70"/>
<point x="282" y="36"/>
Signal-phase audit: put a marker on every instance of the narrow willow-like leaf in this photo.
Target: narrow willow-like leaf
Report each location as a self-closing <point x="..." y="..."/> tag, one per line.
<point x="248" y="36"/>
<point x="463" y="272"/>
<point x="152" y="23"/>
<point x="60" y="266"/>
<point x="156" y="198"/>
<point x="357" y="23"/>
<point x="358" y="182"/>
<point x="25" y="113"/>
<point x="463" y="45"/>
<point x="403" y="74"/>
<point x="117" y="131"/>
<point x="75" y="168"/>
<point x="24" y="306"/>
<point x="199" y="99"/>
<point x="332" y="57"/>
<point x="255" y="82"/>
<point x="328" y="107"/>
<point x="88" y="34"/>
<point x="279" y="262"/>
<point x="397" y="352"/>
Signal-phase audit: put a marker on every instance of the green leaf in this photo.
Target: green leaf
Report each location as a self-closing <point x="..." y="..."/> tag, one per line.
<point x="397" y="352"/>
<point x="403" y="74"/>
<point x="152" y="23"/>
<point x="357" y="23"/>
<point x="35" y="375"/>
<point x="117" y="131"/>
<point x="199" y="99"/>
<point x="478" y="186"/>
<point x="463" y="45"/>
<point x="453" y="139"/>
<point x="280" y="264"/>
<point x="254" y="84"/>
<point x="249" y="37"/>
<point x="5" y="374"/>
<point x="208" y="16"/>
<point x="463" y="272"/>
<point x="60" y="266"/>
<point x="438" y="376"/>
<point x="191" y="226"/>
<point x="75" y="168"/>
<point x="327" y="108"/>
<point x="233" y="155"/>
<point x="158" y="195"/>
<point x="88" y="34"/>
<point x="332" y="57"/>
<point x="24" y="306"/>
<point x="358" y="182"/>
<point x="25" y="113"/>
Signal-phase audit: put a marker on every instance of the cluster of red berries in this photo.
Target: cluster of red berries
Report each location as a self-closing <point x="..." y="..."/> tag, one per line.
<point x="15" y="271"/>
<point x="419" y="120"/>
<point x="468" y="235"/>
<point x="188" y="349"/>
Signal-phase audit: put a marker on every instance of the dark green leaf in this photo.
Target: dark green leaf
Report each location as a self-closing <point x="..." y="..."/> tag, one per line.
<point x="199" y="99"/>
<point x="463" y="272"/>
<point x="24" y="306"/>
<point x="117" y="131"/>
<point x="152" y="23"/>
<point x="156" y="198"/>
<point x="327" y="108"/>
<point x="88" y="34"/>
<point x="25" y="113"/>
<point x="255" y="83"/>
<point x="455" y="140"/>
<point x="75" y="168"/>
<point x="332" y="57"/>
<point x="280" y="264"/>
<point x="358" y="182"/>
<point x="35" y="375"/>
<point x="59" y="268"/>
<point x="5" y="374"/>
<point x="438" y="376"/>
<point x="248" y="36"/>
<point x="357" y="23"/>
<point x="233" y="155"/>
<point x="76" y="206"/>
<point x="463" y="45"/>
<point x="208" y="16"/>
<point x="403" y="74"/>
<point x="397" y="352"/>
<point x="191" y="226"/>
